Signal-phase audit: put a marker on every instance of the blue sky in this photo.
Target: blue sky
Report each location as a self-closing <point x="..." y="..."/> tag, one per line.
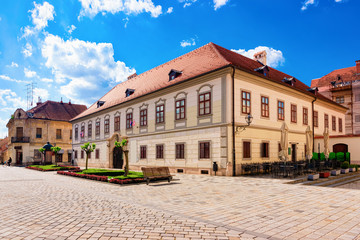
<point x="80" y="49"/>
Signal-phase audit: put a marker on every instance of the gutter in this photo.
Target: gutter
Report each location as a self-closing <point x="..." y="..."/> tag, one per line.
<point x="233" y="121"/>
<point x="313" y="127"/>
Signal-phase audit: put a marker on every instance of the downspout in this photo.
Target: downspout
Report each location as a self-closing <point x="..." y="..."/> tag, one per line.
<point x="313" y="127"/>
<point x="352" y="111"/>
<point x="233" y="120"/>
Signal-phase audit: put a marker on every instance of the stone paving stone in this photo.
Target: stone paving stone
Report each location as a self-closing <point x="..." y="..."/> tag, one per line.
<point x="49" y="206"/>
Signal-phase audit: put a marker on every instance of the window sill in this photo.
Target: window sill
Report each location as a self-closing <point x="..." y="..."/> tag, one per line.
<point x="205" y="116"/>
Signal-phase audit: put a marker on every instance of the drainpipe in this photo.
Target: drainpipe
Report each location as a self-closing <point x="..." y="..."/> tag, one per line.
<point x="313" y="127"/>
<point x="233" y="120"/>
<point x="352" y="112"/>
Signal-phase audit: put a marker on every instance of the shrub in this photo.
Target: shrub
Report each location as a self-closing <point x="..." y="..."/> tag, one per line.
<point x="332" y="156"/>
<point x="322" y="156"/>
<point x="315" y="156"/>
<point x="345" y="165"/>
<point x="347" y="156"/>
<point x="340" y="156"/>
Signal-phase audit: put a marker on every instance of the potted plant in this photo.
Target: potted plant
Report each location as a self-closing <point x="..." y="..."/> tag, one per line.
<point x="345" y="167"/>
<point x="55" y="151"/>
<point x="324" y="174"/>
<point x="353" y="168"/>
<point x="335" y="172"/>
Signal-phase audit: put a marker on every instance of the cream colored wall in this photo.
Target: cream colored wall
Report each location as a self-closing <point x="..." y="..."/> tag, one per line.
<point x="323" y="107"/>
<point x="352" y="142"/>
<point x="172" y="131"/>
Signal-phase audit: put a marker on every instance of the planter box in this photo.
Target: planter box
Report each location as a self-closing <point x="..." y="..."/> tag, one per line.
<point x="343" y="171"/>
<point x="335" y="172"/>
<point x="325" y="174"/>
<point x="313" y="177"/>
<point x="352" y="169"/>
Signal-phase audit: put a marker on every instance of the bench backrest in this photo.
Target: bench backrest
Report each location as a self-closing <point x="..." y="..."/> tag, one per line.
<point x="155" y="171"/>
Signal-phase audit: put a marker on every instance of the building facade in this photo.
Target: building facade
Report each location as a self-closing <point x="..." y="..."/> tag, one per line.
<point x="32" y="129"/>
<point x="189" y="113"/>
<point x="343" y="87"/>
<point x="4" y="156"/>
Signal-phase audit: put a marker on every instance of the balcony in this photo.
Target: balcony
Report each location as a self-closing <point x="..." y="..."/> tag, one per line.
<point x="20" y="139"/>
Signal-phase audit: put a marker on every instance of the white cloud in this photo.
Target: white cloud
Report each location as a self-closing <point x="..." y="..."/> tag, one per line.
<point x="27" y="50"/>
<point x="187" y="3"/>
<point x="9" y="102"/>
<point x="71" y="29"/>
<point x="274" y="57"/>
<point x="42" y="93"/>
<point x="91" y="8"/>
<point x="170" y="10"/>
<point x="47" y="80"/>
<point x="83" y="66"/>
<point x="14" y="64"/>
<point x="7" y="78"/>
<point x="306" y="4"/>
<point x="338" y="1"/>
<point x="40" y="15"/>
<point x="126" y="20"/>
<point x="186" y="43"/>
<point x="29" y="74"/>
<point x="219" y="3"/>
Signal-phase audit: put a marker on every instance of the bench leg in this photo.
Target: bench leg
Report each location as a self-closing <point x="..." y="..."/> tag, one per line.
<point x="147" y="181"/>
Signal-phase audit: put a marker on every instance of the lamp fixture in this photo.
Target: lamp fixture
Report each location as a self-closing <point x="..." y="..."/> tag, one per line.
<point x="248" y="120"/>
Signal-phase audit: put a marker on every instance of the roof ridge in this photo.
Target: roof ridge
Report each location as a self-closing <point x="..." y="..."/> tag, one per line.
<point x="214" y="46"/>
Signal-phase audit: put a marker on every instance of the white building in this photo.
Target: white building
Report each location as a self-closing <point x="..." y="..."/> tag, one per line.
<point x="188" y="113"/>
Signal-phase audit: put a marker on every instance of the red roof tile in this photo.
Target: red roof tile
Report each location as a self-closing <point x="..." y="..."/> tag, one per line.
<point x="56" y="111"/>
<point x="346" y="75"/>
<point x="203" y="60"/>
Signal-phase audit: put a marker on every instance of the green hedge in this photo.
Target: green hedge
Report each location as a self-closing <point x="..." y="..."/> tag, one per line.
<point x="340" y="156"/>
<point x="332" y="156"/>
<point x="347" y="156"/>
<point x="345" y="165"/>
<point x="315" y="156"/>
<point x="322" y="156"/>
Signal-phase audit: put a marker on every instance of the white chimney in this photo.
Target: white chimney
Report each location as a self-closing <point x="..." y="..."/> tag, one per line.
<point x="261" y="57"/>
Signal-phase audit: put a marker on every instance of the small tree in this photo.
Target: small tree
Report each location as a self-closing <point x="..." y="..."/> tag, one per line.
<point x="42" y="150"/>
<point x="55" y="150"/>
<point x="88" y="148"/>
<point x="123" y="145"/>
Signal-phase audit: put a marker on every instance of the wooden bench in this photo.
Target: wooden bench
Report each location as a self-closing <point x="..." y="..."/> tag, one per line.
<point x="156" y="173"/>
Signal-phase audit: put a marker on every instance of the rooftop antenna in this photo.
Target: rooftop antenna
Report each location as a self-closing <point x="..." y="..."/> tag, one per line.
<point x="30" y="94"/>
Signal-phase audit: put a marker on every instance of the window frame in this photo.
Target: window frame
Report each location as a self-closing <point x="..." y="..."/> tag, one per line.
<point x="179" y="150"/>
<point x="204" y="101"/>
<point x="180" y="108"/>
<point x="245" y="98"/>
<point x="143" y="151"/>
<point x="264" y="150"/>
<point x="245" y="156"/>
<point x="326" y="120"/>
<point x="305" y="116"/>
<point x="159" y="151"/>
<point x="76" y="132"/>
<point x="82" y="130"/>
<point x="333" y="123"/>
<point x="97" y="128"/>
<point x="38" y="135"/>
<point x="316" y="118"/>
<point x="265" y="107"/>
<point x="129" y="119"/>
<point x="89" y="130"/>
<point x="116" y="123"/>
<point x="143" y="117"/>
<point x="204" y="150"/>
<point x="97" y="153"/>
<point x="106" y="125"/>
<point x="281" y="110"/>
<point x="340" y="99"/>
<point x="58" y="136"/>
<point x="340" y="124"/>
<point x="293" y="113"/>
<point x="160" y="113"/>
<point x="82" y="154"/>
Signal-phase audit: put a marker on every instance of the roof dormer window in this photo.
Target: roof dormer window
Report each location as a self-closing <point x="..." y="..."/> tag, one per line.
<point x="263" y="70"/>
<point x="129" y="92"/>
<point x="100" y="103"/>
<point x="174" y="74"/>
<point x="289" y="81"/>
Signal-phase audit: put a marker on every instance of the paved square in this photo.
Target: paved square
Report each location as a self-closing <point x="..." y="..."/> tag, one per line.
<point x="44" y="205"/>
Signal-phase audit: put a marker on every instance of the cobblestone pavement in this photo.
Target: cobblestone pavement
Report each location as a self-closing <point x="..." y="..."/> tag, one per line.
<point x="44" y="205"/>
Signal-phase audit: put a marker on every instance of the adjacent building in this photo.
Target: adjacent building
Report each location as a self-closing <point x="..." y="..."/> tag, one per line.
<point x="4" y="150"/>
<point x="32" y="129"/>
<point x="191" y="112"/>
<point x="343" y="87"/>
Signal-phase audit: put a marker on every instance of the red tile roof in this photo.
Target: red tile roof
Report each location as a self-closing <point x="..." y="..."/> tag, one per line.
<point x="4" y="144"/>
<point x="346" y="75"/>
<point x="203" y="60"/>
<point x="57" y="111"/>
